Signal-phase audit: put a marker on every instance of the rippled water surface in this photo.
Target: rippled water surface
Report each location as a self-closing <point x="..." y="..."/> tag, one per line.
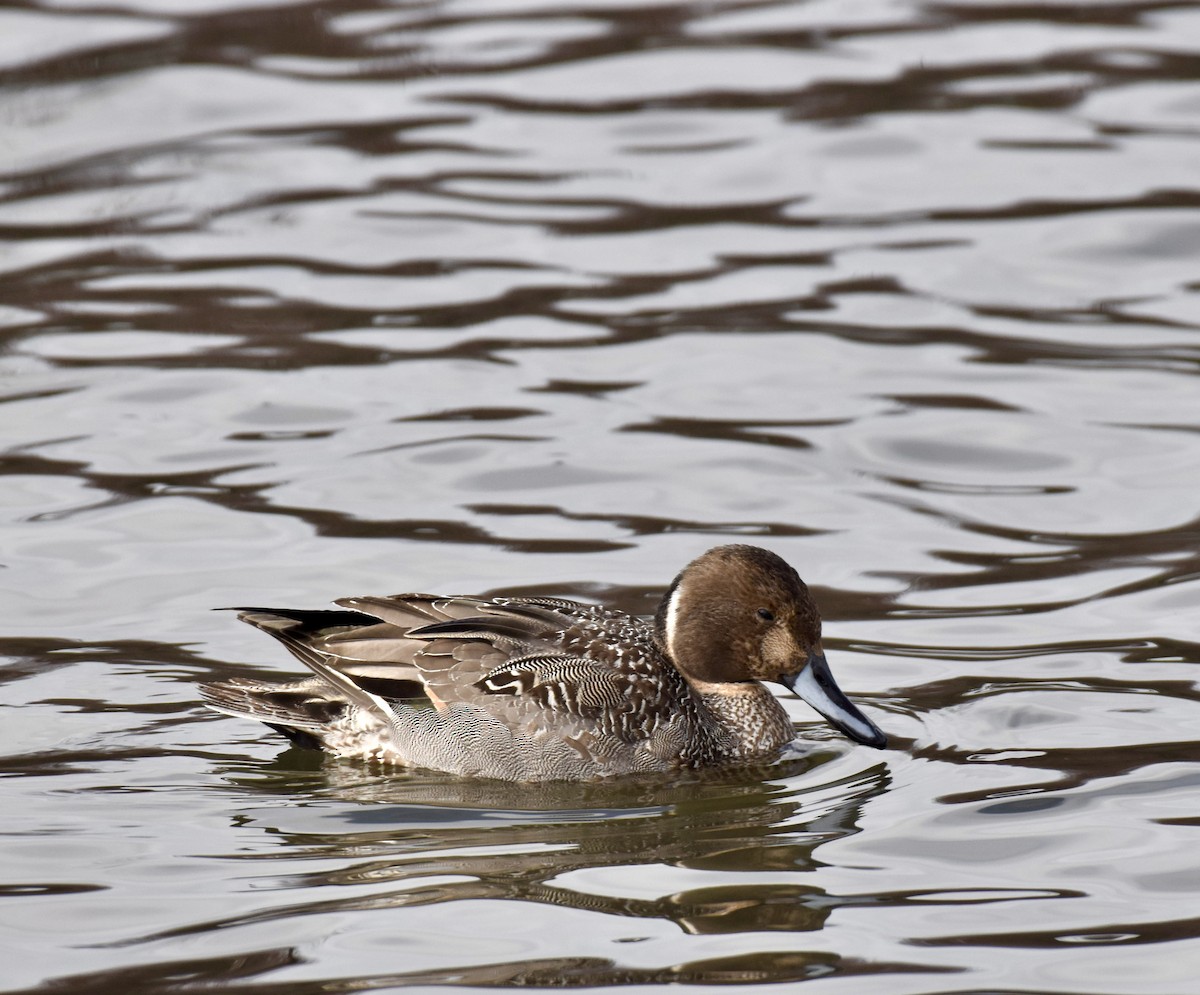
<point x="310" y="300"/>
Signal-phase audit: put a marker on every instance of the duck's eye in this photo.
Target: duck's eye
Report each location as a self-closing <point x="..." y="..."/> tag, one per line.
<point x="766" y="615"/>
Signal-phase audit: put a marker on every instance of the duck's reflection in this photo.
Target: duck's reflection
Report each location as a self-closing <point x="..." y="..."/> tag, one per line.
<point x="450" y="839"/>
<point x="412" y="839"/>
<point x="252" y="973"/>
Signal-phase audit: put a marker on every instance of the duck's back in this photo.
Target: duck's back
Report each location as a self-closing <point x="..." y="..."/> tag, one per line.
<point x="512" y="688"/>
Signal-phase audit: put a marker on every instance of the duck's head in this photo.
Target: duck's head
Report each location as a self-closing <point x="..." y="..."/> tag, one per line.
<point x="740" y="613"/>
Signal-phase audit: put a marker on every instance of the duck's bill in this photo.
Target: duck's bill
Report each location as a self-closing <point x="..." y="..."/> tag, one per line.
<point x="816" y="686"/>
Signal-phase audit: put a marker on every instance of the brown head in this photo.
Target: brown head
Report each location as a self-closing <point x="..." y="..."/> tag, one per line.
<point x="740" y="613"/>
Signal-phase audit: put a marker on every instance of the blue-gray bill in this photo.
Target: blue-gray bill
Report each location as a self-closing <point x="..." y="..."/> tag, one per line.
<point x="816" y="686"/>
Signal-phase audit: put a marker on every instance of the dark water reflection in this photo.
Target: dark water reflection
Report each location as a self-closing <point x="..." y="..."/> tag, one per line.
<point x="309" y="300"/>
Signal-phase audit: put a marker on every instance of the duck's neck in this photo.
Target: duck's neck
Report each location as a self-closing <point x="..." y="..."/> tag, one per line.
<point x="749" y="715"/>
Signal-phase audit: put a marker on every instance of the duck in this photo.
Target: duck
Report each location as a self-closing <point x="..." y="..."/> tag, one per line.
<point x="547" y="689"/>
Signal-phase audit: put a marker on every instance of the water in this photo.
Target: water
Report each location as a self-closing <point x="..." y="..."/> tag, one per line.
<point x="310" y="300"/>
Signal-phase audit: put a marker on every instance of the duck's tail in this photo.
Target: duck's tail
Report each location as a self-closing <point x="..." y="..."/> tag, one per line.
<point x="328" y="711"/>
<point x="301" y="711"/>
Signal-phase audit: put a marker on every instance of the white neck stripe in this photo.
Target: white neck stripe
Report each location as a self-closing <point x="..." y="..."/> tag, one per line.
<point x="672" y="623"/>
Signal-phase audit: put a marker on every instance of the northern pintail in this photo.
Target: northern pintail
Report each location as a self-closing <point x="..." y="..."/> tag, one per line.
<point x="540" y="689"/>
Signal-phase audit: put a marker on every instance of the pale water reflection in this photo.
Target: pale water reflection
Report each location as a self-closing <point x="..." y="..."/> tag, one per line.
<point x="304" y="300"/>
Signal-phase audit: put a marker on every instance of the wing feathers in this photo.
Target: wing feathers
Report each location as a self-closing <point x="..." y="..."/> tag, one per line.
<point x="298" y="635"/>
<point x="531" y="664"/>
